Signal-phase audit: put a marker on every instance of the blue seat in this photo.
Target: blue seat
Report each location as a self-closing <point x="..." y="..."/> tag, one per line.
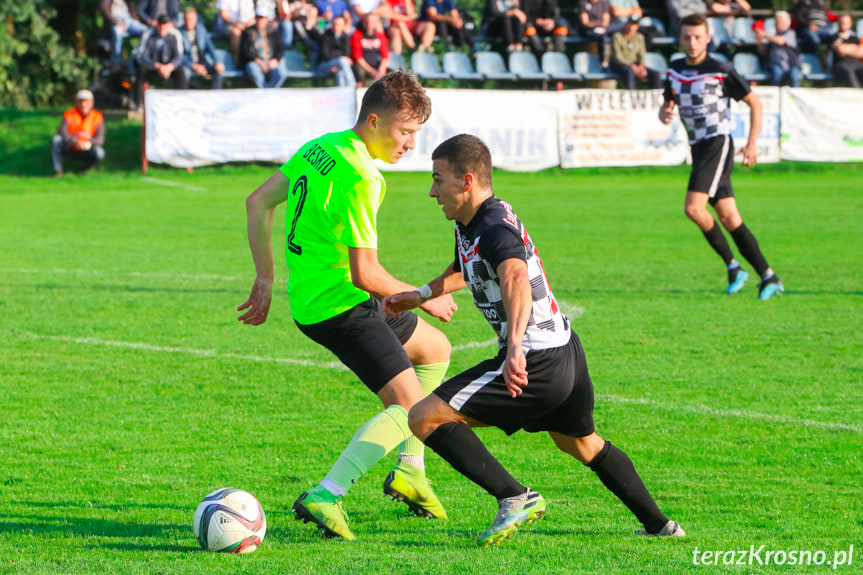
<point x="492" y="66"/>
<point x="676" y="56"/>
<point x="587" y="65"/>
<point x="296" y="65"/>
<point x="770" y="27"/>
<point x="397" y="62"/>
<point x="654" y="61"/>
<point x="225" y="58"/>
<point x="719" y="56"/>
<point x="719" y="35"/>
<point x="743" y="32"/>
<point x="812" y="69"/>
<point x="557" y="65"/>
<point x="459" y="66"/>
<point x="662" y="38"/>
<point x="525" y="66"/>
<point x="860" y="27"/>
<point x="748" y="66"/>
<point x="426" y="66"/>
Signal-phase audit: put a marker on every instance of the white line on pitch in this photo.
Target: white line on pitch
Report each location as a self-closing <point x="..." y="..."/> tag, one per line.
<point x="741" y="413"/>
<point x="704" y="409"/>
<point x="173" y="184"/>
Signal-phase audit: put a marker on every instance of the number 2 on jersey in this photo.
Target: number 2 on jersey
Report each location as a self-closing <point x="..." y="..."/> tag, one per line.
<point x="301" y="187"/>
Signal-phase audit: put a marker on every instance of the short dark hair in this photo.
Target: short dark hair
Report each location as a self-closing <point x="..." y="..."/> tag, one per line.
<point x="694" y="20"/>
<point x="467" y="154"/>
<point x="397" y="92"/>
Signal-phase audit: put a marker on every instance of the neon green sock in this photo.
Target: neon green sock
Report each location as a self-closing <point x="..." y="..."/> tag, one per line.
<point x="377" y="437"/>
<point x="412" y="450"/>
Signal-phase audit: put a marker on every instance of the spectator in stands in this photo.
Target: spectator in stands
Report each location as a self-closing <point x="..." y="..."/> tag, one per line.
<point x="124" y="22"/>
<point x="595" y="16"/>
<point x="448" y="22"/>
<point x="812" y="21"/>
<point x="81" y="134"/>
<point x="359" y="8"/>
<point x="406" y="29"/>
<point x="505" y="19"/>
<point x="261" y="52"/>
<point x="847" y="52"/>
<point x="234" y="17"/>
<point x="680" y="9"/>
<point x="199" y="54"/>
<point x="150" y="10"/>
<point x="628" y="55"/>
<point x="543" y="22"/>
<point x="304" y="17"/>
<point x="370" y="50"/>
<point x="334" y="51"/>
<point x="783" y="56"/>
<point x="624" y="10"/>
<point x="329" y="9"/>
<point x="160" y="55"/>
<point x="729" y="8"/>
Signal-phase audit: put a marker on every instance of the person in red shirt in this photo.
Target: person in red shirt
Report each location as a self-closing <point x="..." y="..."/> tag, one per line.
<point x="81" y="134"/>
<point x="370" y="50"/>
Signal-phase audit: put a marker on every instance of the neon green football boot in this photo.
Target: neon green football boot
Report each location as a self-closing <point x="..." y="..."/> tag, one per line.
<point x="512" y="512"/>
<point x="324" y="510"/>
<point x="408" y="484"/>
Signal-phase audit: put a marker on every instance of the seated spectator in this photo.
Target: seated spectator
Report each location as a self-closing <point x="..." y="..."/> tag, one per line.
<point x="199" y="54"/>
<point x="628" y="55"/>
<point x="334" y="51"/>
<point x="729" y="8"/>
<point x="370" y="50"/>
<point x="406" y="29"/>
<point x="261" y="52"/>
<point x="124" y="24"/>
<point x="783" y="57"/>
<point x="359" y="8"/>
<point x="847" y="52"/>
<point x="234" y="17"/>
<point x="329" y="9"/>
<point x="160" y="55"/>
<point x="448" y="22"/>
<point x="149" y="11"/>
<point x="680" y="9"/>
<point x="505" y="19"/>
<point x="81" y="134"/>
<point x="543" y="22"/>
<point x="304" y="17"/>
<point x="621" y="12"/>
<point x="595" y="16"/>
<point x="812" y="21"/>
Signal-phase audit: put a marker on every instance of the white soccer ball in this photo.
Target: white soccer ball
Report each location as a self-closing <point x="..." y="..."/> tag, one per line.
<point x="230" y="521"/>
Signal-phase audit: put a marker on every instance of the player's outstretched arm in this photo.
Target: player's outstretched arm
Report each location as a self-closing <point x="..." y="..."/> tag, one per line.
<point x="750" y="152"/>
<point x="260" y="210"/>
<point x="517" y="301"/>
<point x="438" y="290"/>
<point x="369" y="275"/>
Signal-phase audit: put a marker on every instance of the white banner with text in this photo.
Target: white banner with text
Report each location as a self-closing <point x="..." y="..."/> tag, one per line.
<point x="822" y="124"/>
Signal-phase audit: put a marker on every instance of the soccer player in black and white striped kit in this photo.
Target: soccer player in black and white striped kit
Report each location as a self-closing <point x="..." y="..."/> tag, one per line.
<point x="701" y="88"/>
<point x="538" y="381"/>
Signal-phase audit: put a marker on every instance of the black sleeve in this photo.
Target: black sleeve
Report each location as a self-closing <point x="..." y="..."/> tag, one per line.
<point x="736" y="85"/>
<point x="667" y="94"/>
<point x="456" y="264"/>
<point x="499" y="243"/>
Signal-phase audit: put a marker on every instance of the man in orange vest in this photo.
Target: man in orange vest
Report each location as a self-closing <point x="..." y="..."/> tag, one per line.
<point x="81" y="134"/>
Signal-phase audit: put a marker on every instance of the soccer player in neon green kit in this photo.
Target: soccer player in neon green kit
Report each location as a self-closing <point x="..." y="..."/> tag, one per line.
<point x="333" y="191"/>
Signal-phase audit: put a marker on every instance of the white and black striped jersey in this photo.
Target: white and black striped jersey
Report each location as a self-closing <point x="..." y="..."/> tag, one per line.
<point x="702" y="95"/>
<point x="493" y="235"/>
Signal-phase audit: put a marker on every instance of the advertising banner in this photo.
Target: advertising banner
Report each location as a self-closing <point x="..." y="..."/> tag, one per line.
<point x="822" y="124"/>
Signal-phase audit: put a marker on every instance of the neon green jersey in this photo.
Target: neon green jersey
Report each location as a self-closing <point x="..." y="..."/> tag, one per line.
<point x="335" y="193"/>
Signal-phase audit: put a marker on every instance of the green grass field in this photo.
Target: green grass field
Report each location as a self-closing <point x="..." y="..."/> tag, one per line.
<point x="130" y="390"/>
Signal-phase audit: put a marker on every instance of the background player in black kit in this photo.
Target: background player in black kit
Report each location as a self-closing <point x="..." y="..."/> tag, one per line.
<point x="701" y="87"/>
<point x="539" y="379"/>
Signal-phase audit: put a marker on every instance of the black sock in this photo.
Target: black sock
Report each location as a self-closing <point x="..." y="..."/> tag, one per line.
<point x="456" y="443"/>
<point x="748" y="246"/>
<point x="617" y="473"/>
<point x="717" y="241"/>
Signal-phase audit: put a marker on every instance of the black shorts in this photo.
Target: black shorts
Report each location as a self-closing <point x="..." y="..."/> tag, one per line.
<point x="712" y="164"/>
<point x="367" y="341"/>
<point x="558" y="395"/>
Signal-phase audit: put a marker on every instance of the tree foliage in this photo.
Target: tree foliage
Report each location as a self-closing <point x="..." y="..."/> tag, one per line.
<point x="36" y="68"/>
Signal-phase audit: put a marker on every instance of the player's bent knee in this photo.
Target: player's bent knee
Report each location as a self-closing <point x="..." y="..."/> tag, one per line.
<point x="419" y="421"/>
